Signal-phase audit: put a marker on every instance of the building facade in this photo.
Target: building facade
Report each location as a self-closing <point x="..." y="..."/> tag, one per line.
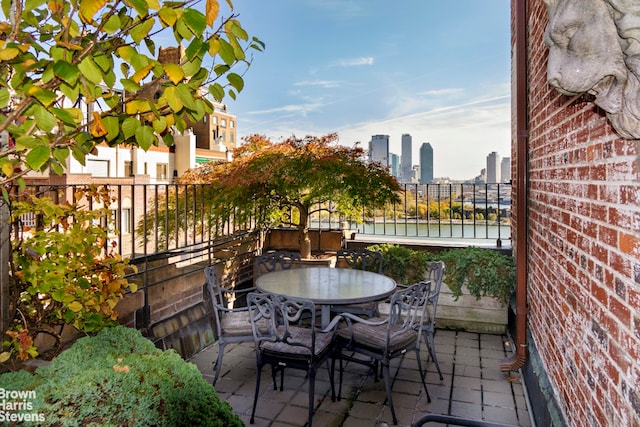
<point x="406" y="161"/>
<point x="426" y="163"/>
<point x="493" y="168"/>
<point x="379" y="149"/>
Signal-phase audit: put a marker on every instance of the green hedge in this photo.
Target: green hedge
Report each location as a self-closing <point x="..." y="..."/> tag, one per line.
<point x="118" y="377"/>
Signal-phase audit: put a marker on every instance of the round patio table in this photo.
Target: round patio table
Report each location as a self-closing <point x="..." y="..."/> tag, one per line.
<point x="328" y="286"/>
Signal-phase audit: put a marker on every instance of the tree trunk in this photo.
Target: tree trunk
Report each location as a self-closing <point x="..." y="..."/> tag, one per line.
<point x="5" y="257"/>
<point x="303" y="233"/>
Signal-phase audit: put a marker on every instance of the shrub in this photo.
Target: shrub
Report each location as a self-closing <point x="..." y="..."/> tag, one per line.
<point x="482" y="271"/>
<point x="404" y="265"/>
<point x="118" y="377"/>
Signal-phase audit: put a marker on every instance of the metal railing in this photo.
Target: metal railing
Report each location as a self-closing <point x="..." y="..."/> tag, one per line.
<point x="155" y="220"/>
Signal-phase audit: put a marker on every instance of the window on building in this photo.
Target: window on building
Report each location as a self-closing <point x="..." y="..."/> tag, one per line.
<point x="223" y="123"/>
<point x="231" y="137"/>
<point x="128" y="168"/>
<point x="125" y="220"/>
<point x="223" y="136"/>
<point x="232" y="124"/>
<point x="215" y="120"/>
<point x="98" y="168"/>
<point x="161" y="171"/>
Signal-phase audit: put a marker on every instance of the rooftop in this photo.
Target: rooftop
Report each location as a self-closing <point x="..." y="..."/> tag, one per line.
<point x="473" y="387"/>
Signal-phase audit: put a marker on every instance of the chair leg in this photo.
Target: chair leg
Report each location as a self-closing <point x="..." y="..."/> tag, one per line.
<point x="312" y="388"/>
<point x="429" y="340"/>
<point x="255" y="396"/>
<point x="423" y="374"/>
<point x="387" y="386"/>
<point x="340" y="384"/>
<point x="218" y="364"/>
<point x="331" y="378"/>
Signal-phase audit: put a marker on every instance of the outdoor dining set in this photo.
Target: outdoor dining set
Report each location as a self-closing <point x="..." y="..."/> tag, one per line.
<point x="305" y="317"/>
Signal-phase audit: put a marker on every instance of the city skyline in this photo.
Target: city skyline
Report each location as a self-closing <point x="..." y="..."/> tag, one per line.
<point x="439" y="71"/>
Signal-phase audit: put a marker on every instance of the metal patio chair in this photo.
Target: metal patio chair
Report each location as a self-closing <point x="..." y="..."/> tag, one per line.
<point x="361" y="259"/>
<point x="384" y="340"/>
<point x="232" y="324"/>
<point x="276" y="260"/>
<point x="283" y="343"/>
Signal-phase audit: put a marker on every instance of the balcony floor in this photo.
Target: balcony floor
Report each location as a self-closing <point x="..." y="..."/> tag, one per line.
<point x="473" y="387"/>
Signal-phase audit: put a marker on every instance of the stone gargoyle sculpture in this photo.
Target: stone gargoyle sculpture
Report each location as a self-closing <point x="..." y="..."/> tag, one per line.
<point x="594" y="47"/>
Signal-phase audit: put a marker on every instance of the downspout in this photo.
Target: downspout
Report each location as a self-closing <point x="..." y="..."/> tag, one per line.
<point x="518" y="360"/>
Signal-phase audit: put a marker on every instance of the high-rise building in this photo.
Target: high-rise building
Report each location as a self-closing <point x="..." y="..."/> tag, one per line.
<point x="406" y="162"/>
<point x="426" y="163"/>
<point x="395" y="165"/>
<point x="505" y="169"/>
<point x="379" y="149"/>
<point x="493" y="168"/>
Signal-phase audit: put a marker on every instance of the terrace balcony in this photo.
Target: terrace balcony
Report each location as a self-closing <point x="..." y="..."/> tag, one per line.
<point x="181" y="241"/>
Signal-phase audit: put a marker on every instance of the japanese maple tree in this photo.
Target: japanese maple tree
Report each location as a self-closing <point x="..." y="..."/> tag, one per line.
<point x="286" y="182"/>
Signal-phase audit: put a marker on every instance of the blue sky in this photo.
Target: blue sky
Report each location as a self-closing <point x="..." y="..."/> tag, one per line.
<point x="438" y="70"/>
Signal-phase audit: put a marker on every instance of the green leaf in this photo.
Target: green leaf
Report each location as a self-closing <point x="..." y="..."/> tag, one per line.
<point x="145" y="137"/>
<point x="90" y="70"/>
<point x="167" y="15"/>
<point x="46" y="121"/>
<point x="226" y="52"/>
<point x="112" y="25"/>
<point x="113" y="127"/>
<point x="195" y="21"/>
<point x="66" y="71"/>
<point x="4" y="98"/>
<point x="71" y="92"/>
<point x="129" y="85"/>
<point x="185" y="95"/>
<point x="140" y="31"/>
<point x="38" y="157"/>
<point x="69" y="116"/>
<point x="45" y="97"/>
<point x="217" y="91"/>
<point x="140" y="6"/>
<point x="61" y="154"/>
<point x="236" y="29"/>
<point x="236" y="81"/>
<point x="173" y="101"/>
<point x="129" y="126"/>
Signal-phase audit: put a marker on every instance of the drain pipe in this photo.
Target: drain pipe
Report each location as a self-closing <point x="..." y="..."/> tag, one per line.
<point x="516" y="361"/>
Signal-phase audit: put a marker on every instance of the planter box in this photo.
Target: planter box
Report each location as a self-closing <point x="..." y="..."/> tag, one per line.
<point x="321" y="240"/>
<point x="485" y="315"/>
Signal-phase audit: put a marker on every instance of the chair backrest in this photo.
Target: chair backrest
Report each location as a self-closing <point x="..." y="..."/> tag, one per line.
<point x="214" y="288"/>
<point x="407" y="309"/>
<point x="276" y="319"/>
<point x="360" y="258"/>
<point x="435" y="274"/>
<point x="277" y="260"/>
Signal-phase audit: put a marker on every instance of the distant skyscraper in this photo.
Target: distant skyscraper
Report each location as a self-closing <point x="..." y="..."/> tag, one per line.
<point x="493" y="168"/>
<point x="395" y="165"/>
<point x="406" y="162"/>
<point x="505" y="169"/>
<point x="379" y="149"/>
<point x="426" y="163"/>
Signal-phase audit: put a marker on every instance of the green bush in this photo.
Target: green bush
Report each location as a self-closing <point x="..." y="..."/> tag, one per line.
<point x="404" y="265"/>
<point x="118" y="377"/>
<point x="482" y="271"/>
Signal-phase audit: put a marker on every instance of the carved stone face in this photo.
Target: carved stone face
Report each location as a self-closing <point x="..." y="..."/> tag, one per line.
<point x="584" y="52"/>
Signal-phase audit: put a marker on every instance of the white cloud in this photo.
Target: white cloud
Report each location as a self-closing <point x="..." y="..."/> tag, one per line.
<point x="321" y="83"/>
<point x="442" y="92"/>
<point x="355" y="62"/>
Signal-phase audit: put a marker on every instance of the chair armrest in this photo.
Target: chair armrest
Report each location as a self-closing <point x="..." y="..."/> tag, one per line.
<point x="238" y="291"/>
<point x="350" y="318"/>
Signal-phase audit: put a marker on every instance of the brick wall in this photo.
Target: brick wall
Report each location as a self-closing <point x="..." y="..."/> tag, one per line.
<point x="584" y="249"/>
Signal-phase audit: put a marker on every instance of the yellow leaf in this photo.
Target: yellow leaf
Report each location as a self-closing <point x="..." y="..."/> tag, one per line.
<point x="69" y="46"/>
<point x="88" y="8"/>
<point x="97" y="128"/>
<point x="9" y="53"/>
<point x="75" y="306"/>
<point x="4" y="356"/>
<point x="133" y="287"/>
<point x="213" y="8"/>
<point x="7" y="170"/>
<point x="174" y="72"/>
<point x="142" y="73"/>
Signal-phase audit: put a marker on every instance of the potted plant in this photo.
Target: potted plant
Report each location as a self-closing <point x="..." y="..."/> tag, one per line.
<point x="479" y="283"/>
<point x="402" y="264"/>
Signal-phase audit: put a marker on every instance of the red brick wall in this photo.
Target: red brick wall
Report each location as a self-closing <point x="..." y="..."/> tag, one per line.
<point x="584" y="249"/>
